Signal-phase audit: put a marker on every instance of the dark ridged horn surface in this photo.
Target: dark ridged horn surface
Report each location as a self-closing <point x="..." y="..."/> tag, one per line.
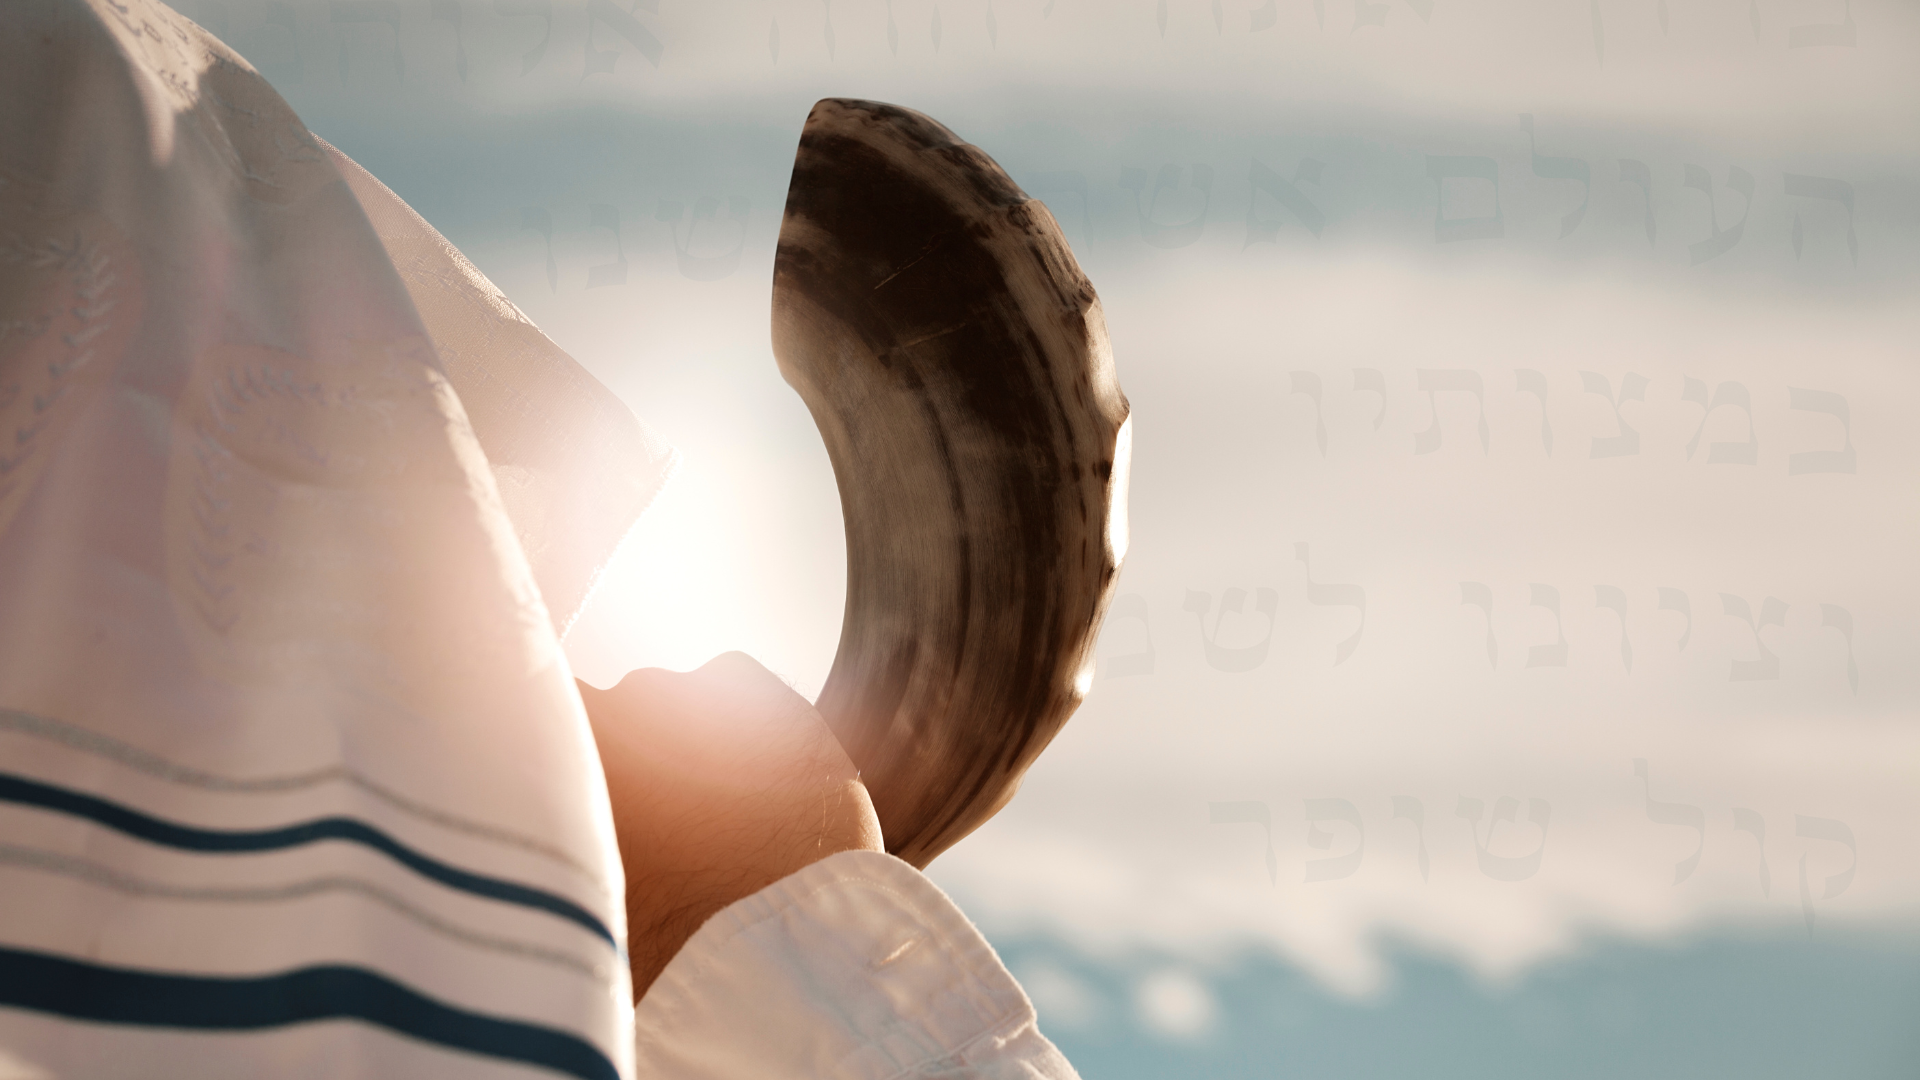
<point x="956" y="361"/>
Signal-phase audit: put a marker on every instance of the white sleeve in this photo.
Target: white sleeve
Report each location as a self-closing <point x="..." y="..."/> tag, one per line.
<point x="856" y="967"/>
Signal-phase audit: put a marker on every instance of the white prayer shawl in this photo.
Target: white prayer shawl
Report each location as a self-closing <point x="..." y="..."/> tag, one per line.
<point x="293" y="779"/>
<point x="856" y="967"/>
<point x="286" y="734"/>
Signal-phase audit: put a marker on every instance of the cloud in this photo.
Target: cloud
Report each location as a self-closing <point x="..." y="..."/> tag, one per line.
<point x="1658" y="551"/>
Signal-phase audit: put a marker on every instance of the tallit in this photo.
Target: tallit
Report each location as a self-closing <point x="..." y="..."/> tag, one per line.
<point x="293" y="780"/>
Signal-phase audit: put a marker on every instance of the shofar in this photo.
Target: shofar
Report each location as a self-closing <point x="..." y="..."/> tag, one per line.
<point x="956" y="361"/>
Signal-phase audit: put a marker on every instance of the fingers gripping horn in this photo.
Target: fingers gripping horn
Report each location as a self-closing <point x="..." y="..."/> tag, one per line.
<point x="956" y="361"/>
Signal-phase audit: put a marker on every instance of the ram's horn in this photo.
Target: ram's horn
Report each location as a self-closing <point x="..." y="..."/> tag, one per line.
<point x="956" y="361"/>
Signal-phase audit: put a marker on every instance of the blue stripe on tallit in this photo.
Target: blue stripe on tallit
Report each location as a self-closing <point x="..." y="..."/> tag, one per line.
<point x="68" y="987"/>
<point x="24" y="792"/>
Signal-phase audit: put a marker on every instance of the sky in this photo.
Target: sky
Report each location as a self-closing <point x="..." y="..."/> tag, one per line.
<point x="1576" y="338"/>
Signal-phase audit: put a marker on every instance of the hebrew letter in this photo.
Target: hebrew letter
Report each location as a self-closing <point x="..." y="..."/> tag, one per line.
<point x="1612" y="596"/>
<point x="705" y="267"/>
<point x="448" y="11"/>
<point x="1168" y="236"/>
<point x="1442" y="168"/>
<point x="1822" y="461"/>
<point x="1750" y="821"/>
<point x="1265" y="16"/>
<point x="1561" y="168"/>
<point x="1727" y="393"/>
<point x="1636" y="172"/>
<point x="1339" y="866"/>
<point x="369" y="11"/>
<point x="1813" y="828"/>
<point x="1734" y="452"/>
<point x="1632" y="388"/>
<point x="1773" y="612"/>
<point x="1533" y="382"/>
<point x="1131" y="606"/>
<point x="624" y="24"/>
<point x="1071" y="182"/>
<point x="1554" y="655"/>
<point x="1406" y="806"/>
<point x="602" y="216"/>
<point x="1808" y="35"/>
<point x="1839" y="618"/>
<point x="1249" y="813"/>
<point x="1367" y="378"/>
<point x="1285" y="192"/>
<point x="1675" y="600"/>
<point x="1506" y="867"/>
<point x="1306" y="382"/>
<point x="532" y="9"/>
<point x="1722" y="240"/>
<point x="1247" y="657"/>
<point x="1695" y="392"/>
<point x="1342" y="595"/>
<point x="1663" y="813"/>
<point x="1433" y="381"/>
<point x="1480" y="596"/>
<point x="537" y="219"/>
<point x="1819" y="187"/>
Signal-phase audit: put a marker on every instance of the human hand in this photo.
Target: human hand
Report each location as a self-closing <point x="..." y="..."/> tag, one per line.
<point x="723" y="780"/>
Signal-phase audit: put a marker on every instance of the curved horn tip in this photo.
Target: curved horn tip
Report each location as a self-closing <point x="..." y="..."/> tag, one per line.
<point x="956" y="361"/>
